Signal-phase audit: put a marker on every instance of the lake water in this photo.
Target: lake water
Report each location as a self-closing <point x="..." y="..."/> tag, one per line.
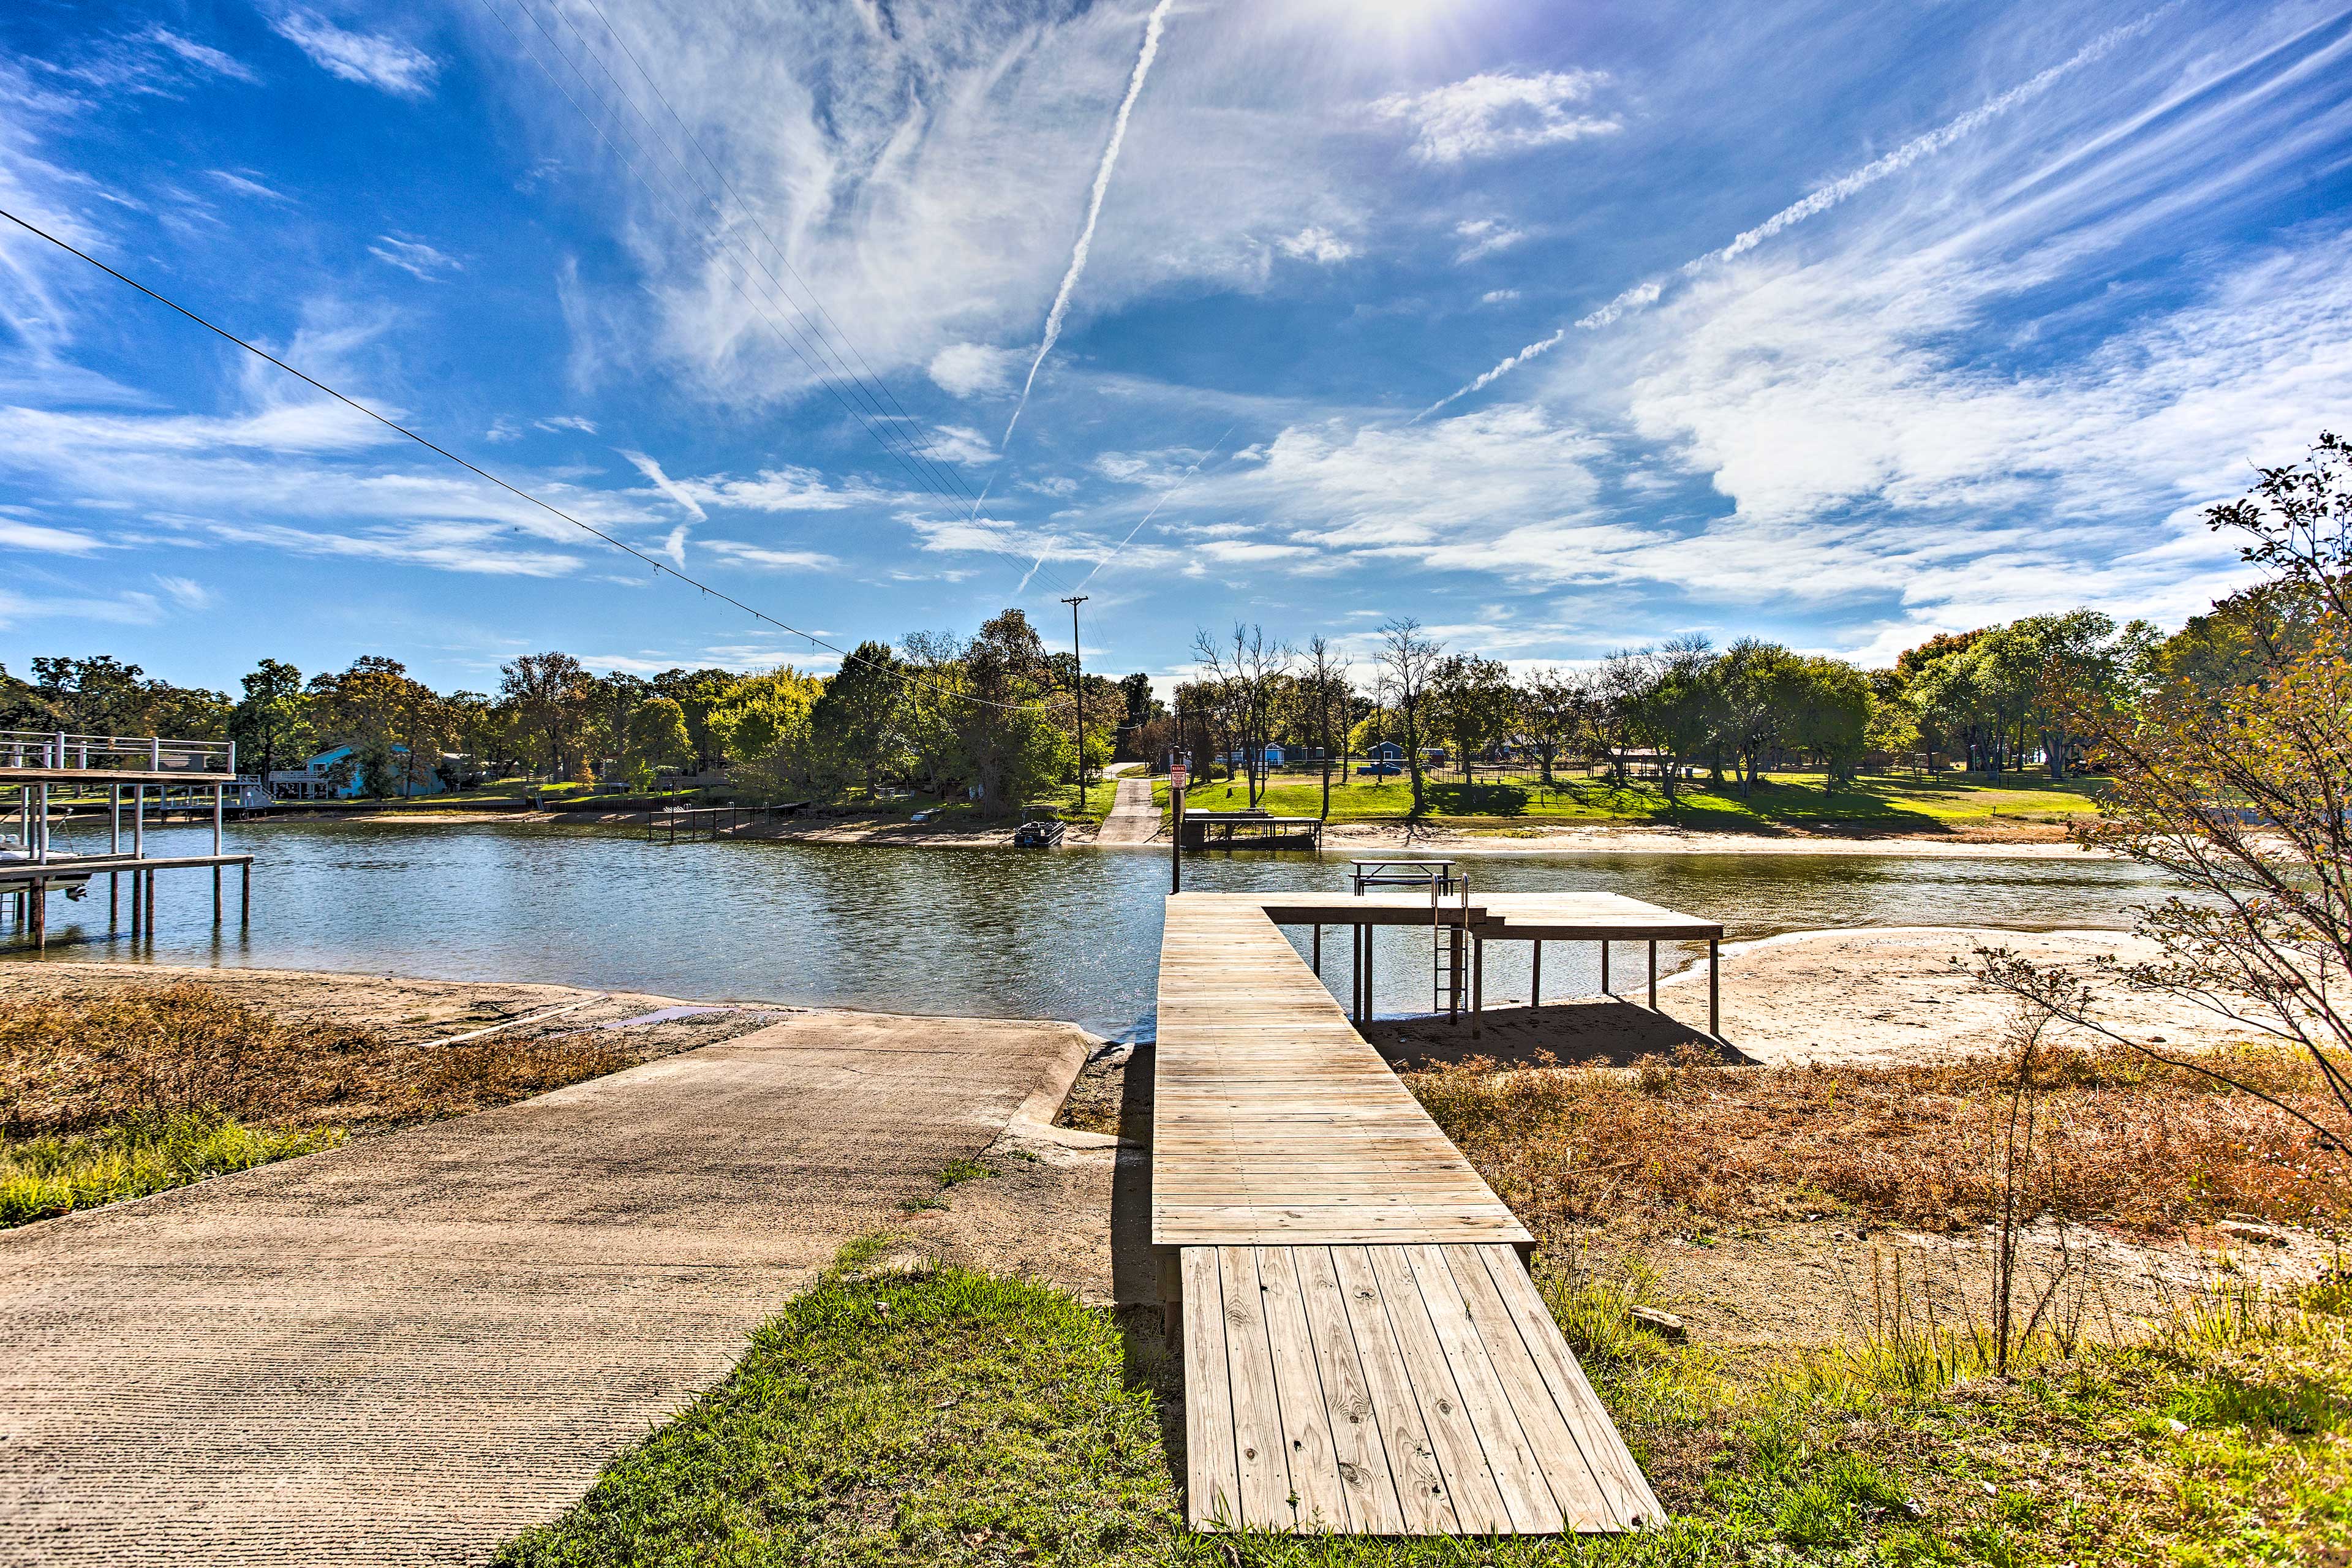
<point x="1069" y="934"/>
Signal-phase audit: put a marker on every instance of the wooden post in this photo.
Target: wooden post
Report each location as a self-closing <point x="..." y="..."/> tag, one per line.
<point x="113" y="900"/>
<point x="1318" y="952"/>
<point x="114" y="819"/>
<point x="244" y="894"/>
<point x="1604" y="967"/>
<point x="1654" y="975"/>
<point x="1713" y="988"/>
<point x="216" y="895"/>
<point x="1453" y="939"/>
<point x="1371" y="997"/>
<point x="1356" y="971"/>
<point x="139" y="821"/>
<point x="217" y="834"/>
<point x="1478" y="982"/>
<point x="1535" y="984"/>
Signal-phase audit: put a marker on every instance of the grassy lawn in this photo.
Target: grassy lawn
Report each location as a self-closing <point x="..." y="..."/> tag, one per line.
<point x="1944" y="803"/>
<point x="956" y="1418"/>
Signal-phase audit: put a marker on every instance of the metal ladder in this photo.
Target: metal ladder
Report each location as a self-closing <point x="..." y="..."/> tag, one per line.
<point x="1448" y="945"/>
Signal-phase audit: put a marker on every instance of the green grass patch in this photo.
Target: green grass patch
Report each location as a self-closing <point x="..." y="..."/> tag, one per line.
<point x="46" y="1177"/>
<point x="959" y="1417"/>
<point x="1933" y="804"/>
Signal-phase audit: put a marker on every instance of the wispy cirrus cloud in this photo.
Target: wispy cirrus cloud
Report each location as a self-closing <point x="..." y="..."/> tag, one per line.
<point x="414" y="257"/>
<point x="370" y="59"/>
<point x="1495" y="112"/>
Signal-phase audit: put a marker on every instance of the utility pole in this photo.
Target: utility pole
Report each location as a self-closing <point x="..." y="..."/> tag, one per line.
<point x="1078" y="687"/>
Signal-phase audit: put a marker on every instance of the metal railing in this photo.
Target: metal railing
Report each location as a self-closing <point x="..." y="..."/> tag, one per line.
<point x="58" y="750"/>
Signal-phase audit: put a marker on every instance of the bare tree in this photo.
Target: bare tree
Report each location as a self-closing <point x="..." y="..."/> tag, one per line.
<point x="1251" y="673"/>
<point x="1408" y="667"/>
<point x="1324" y="693"/>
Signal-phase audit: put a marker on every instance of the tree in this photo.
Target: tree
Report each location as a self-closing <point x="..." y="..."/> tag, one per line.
<point x="1552" y="713"/>
<point x="1408" y="664"/>
<point x="1682" y="709"/>
<point x="1137" y="707"/>
<point x="1479" y="704"/>
<point x="1616" y="697"/>
<point x="1248" y="676"/>
<point x="96" y="696"/>
<point x="656" y="736"/>
<point x="2239" y="792"/>
<point x="697" y="694"/>
<point x="1756" y="681"/>
<point x="935" y="684"/>
<point x="612" y="698"/>
<point x="1828" y="715"/>
<point x="1321" y="696"/>
<point x="551" y="693"/>
<point x="1004" y="721"/>
<point x="271" y="726"/>
<point x="859" y="720"/>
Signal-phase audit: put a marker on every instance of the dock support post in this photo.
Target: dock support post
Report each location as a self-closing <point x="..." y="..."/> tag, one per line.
<point x="139" y="821"/>
<point x="1604" y="967"/>
<point x="114" y="819"/>
<point x="1714" y="987"/>
<point x="113" y="900"/>
<point x="138" y="902"/>
<point x="1318" y="952"/>
<point x="216" y="895"/>
<point x="1654" y="975"/>
<point x="1478" y="982"/>
<point x="244" y="895"/>
<point x="1535" y="982"/>
<point x="40" y="892"/>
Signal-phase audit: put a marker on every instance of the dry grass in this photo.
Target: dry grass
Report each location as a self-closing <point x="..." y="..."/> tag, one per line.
<point x="72" y="1066"/>
<point x="1673" y="1142"/>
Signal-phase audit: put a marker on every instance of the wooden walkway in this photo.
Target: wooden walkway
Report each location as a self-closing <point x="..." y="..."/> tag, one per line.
<point x="1364" y="1351"/>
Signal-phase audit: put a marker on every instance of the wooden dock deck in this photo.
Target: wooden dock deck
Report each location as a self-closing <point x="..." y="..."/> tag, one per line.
<point x="1363" y="1350"/>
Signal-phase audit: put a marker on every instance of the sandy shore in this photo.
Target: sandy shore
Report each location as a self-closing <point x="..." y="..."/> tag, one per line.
<point x="1876" y="995"/>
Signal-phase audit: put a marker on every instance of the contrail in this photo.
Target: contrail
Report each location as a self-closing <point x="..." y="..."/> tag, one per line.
<point x="1151" y="31"/>
<point x="1921" y="146"/>
<point x="1166" y="496"/>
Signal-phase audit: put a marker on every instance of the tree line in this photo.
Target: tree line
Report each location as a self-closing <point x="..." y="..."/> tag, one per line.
<point x="1987" y="699"/>
<point x="994" y="715"/>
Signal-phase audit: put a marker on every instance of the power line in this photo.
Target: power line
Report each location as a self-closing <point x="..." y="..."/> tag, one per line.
<point x="911" y="452"/>
<point x="658" y="567"/>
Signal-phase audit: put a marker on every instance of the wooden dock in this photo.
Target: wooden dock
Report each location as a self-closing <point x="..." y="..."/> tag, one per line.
<point x="1363" y="1350"/>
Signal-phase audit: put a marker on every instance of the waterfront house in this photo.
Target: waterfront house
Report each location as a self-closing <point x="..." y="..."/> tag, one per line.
<point x="324" y="777"/>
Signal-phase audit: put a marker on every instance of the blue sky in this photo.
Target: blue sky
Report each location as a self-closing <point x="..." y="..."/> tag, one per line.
<point x="1564" y="328"/>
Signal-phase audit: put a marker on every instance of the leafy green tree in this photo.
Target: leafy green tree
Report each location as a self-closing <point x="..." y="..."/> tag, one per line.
<point x="859" y="723"/>
<point x="553" y="697"/>
<point x="657" y="735"/>
<point x="1682" y="709"/>
<point x="1480" y="704"/>
<point x="1829" y="704"/>
<point x="1004" y="719"/>
<point x="1552" y="715"/>
<point x="271" y="727"/>
<point x="1755" y="681"/>
<point x="698" y="693"/>
<point x="1408" y="674"/>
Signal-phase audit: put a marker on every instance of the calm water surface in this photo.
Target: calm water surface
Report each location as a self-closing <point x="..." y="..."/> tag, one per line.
<point x="1072" y="934"/>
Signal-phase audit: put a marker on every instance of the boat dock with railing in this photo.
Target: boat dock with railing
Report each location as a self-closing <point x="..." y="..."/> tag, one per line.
<point x="53" y="769"/>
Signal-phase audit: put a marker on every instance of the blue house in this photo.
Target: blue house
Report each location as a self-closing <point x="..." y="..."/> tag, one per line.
<point x="314" y="780"/>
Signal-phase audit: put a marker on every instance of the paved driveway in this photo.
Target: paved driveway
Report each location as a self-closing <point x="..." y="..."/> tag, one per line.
<point x="407" y="1349"/>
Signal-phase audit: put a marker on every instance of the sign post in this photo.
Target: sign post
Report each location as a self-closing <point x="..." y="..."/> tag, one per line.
<point x="1179" y="776"/>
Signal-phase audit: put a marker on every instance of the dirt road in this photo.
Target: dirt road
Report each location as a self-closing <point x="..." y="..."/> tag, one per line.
<point x="407" y="1349"/>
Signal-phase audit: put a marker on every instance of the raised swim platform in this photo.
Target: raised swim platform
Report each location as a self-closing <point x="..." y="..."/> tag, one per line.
<point x="1364" y="1352"/>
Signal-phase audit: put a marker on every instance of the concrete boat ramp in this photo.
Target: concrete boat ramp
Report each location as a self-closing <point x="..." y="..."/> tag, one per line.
<point x="410" y="1348"/>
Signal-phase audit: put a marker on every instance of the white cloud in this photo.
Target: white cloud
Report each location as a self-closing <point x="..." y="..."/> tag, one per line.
<point x="15" y="535"/>
<point x="961" y="445"/>
<point x="1484" y="237"/>
<point x="969" y="370"/>
<point x="185" y="591"/>
<point x="415" y="257"/>
<point x="779" y="490"/>
<point x="735" y="552"/>
<point x="201" y="55"/>
<point x="502" y="429"/>
<point x="1495" y="113"/>
<point x="562" y="422"/>
<point x="245" y="184"/>
<point x="1317" y="245"/>
<point x="1498" y="296"/>
<point x="369" y="58"/>
<point x="131" y="609"/>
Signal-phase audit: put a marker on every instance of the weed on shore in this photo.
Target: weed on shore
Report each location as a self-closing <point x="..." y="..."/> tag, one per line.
<point x="130" y="1094"/>
<point x="2146" y="1146"/>
<point x="44" y="1176"/>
